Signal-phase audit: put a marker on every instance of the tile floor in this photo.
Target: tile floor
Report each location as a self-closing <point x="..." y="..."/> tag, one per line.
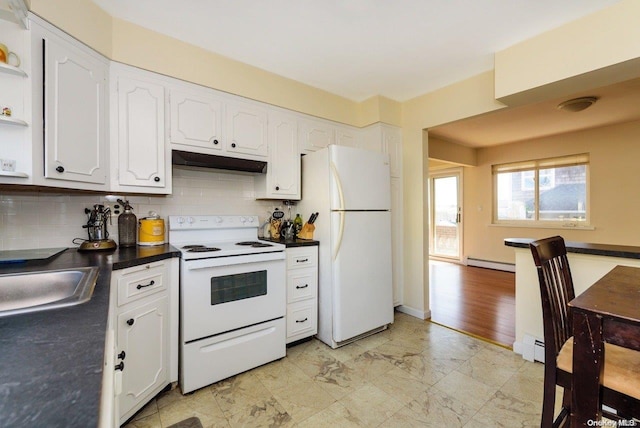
<point x="415" y="374"/>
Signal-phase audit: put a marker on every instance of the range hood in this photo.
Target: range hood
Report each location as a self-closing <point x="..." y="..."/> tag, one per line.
<point x="202" y="160"/>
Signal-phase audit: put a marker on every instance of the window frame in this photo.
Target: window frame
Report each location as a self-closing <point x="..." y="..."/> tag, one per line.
<point x="536" y="165"/>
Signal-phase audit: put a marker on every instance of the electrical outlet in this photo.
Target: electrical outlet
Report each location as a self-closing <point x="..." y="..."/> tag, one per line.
<point x="8" y="165"/>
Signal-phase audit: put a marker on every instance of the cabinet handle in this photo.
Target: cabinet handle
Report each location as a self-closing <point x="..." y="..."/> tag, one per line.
<point x="277" y="187"/>
<point x="302" y="260"/>
<point x="156" y="179"/>
<point x="302" y="286"/>
<point x="60" y="168"/>
<point x="121" y="355"/>
<point x="215" y="141"/>
<point x="139" y="286"/>
<point x="233" y="145"/>
<point x="120" y="366"/>
<point x="301" y="321"/>
<point x="130" y="321"/>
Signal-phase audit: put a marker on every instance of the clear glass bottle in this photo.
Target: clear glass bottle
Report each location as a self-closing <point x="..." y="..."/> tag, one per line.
<point x="127" y="226"/>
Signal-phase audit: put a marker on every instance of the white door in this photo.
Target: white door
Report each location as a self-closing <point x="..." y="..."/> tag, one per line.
<point x="141" y="133"/>
<point x="284" y="160"/>
<point x="196" y="120"/>
<point x="362" y="282"/>
<point x="246" y="129"/>
<point x="75" y="120"/>
<point x="359" y="179"/>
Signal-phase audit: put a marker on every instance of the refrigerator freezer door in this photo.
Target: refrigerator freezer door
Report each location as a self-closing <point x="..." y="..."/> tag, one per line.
<point x="362" y="283"/>
<point x="360" y="179"/>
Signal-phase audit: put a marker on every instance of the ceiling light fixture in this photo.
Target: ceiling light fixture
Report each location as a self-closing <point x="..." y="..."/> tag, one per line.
<point x="577" y="104"/>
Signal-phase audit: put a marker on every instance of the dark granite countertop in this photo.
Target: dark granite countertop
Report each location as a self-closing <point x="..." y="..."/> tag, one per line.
<point x="297" y="242"/>
<point x="623" y="251"/>
<point x="51" y="361"/>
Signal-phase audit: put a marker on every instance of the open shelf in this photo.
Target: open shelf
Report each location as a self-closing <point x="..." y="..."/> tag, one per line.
<point x="9" y="120"/>
<point x="10" y="69"/>
<point x="13" y="174"/>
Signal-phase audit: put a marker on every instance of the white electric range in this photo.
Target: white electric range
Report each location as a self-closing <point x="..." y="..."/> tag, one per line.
<point x="232" y="297"/>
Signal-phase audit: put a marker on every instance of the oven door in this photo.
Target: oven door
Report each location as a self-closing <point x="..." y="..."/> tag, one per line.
<point x="218" y="295"/>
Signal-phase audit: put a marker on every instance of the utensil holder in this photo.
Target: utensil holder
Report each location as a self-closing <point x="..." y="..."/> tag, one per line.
<point x="307" y="231"/>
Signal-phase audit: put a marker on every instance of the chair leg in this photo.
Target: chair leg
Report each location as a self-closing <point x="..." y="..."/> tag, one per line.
<point x="549" y="397"/>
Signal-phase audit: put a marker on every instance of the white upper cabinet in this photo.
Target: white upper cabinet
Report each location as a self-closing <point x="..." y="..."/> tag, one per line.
<point x="139" y="154"/>
<point x="246" y="129"/>
<point x="282" y="180"/>
<point x="392" y="145"/>
<point x="75" y="104"/>
<point x="196" y="119"/>
<point x="348" y="136"/>
<point x="315" y="135"/>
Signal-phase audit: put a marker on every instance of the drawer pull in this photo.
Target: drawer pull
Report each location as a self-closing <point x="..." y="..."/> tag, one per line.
<point x="139" y="286"/>
<point x="120" y="366"/>
<point x="302" y="260"/>
<point x="301" y="321"/>
<point x="121" y="355"/>
<point x="302" y="286"/>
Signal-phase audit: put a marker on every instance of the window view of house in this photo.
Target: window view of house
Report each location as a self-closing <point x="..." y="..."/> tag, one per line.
<point x="548" y="190"/>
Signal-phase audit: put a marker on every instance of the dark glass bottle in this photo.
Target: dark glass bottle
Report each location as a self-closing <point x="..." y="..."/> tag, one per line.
<point x="127" y="226"/>
<point x="298" y="224"/>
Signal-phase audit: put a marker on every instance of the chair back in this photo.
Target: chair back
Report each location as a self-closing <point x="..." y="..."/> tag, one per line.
<point x="556" y="291"/>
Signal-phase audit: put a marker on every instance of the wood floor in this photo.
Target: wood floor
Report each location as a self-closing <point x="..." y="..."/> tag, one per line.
<point x="474" y="300"/>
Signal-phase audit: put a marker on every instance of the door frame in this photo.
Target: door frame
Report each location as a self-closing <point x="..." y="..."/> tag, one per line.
<point x="458" y="172"/>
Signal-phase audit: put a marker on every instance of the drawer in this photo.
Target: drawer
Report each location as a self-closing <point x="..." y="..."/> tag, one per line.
<point x="302" y="257"/>
<point x="141" y="281"/>
<point x="302" y="284"/>
<point x="302" y="320"/>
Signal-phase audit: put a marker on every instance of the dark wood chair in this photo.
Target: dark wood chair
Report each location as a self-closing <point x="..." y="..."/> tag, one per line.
<point x="621" y="381"/>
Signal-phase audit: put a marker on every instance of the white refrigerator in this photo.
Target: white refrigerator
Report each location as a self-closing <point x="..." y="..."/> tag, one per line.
<point x="350" y="189"/>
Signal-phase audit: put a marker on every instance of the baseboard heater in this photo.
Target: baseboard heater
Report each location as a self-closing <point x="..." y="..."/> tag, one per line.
<point x="532" y="348"/>
<point x="508" y="267"/>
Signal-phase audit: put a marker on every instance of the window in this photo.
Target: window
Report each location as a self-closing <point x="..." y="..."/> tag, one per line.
<point x="545" y="191"/>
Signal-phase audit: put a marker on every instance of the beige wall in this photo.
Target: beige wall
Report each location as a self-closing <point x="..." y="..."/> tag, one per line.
<point x="614" y="183"/>
<point x="450" y="152"/>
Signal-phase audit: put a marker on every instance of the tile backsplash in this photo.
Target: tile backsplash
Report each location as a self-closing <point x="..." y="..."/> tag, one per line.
<point x="43" y="219"/>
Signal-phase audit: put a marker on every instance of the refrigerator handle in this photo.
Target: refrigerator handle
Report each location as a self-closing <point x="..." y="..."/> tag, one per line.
<point x="336" y="176"/>
<point x="336" y="249"/>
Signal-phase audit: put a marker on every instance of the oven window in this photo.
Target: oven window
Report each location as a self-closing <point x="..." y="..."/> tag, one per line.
<point x="238" y="286"/>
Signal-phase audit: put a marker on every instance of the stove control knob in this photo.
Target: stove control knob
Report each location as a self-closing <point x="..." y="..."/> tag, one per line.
<point x="243" y="220"/>
<point x="218" y="220"/>
<point x="250" y="219"/>
<point x="180" y="220"/>
<point x="190" y="220"/>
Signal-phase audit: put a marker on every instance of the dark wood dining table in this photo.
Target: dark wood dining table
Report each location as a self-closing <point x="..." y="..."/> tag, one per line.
<point x="608" y="311"/>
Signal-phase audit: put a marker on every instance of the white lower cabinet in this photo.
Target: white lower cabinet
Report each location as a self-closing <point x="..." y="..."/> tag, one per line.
<point x="302" y="292"/>
<point x="142" y="299"/>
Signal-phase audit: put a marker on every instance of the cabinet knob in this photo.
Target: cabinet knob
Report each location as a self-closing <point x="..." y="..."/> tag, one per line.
<point x="120" y="366"/>
<point x="277" y="187"/>
<point x="60" y="168"/>
<point x="215" y="141"/>
<point x="130" y="321"/>
<point x="156" y="179"/>
<point x="121" y="355"/>
<point x="233" y="144"/>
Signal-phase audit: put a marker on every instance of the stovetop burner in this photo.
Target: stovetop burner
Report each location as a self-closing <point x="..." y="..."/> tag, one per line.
<point x="186" y="247"/>
<point x="201" y="249"/>
<point x="254" y="244"/>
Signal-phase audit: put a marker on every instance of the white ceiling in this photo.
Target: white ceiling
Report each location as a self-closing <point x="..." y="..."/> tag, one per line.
<point x="357" y="48"/>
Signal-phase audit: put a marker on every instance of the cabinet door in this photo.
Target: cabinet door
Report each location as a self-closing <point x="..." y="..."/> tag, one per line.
<point x="396" y="239"/>
<point x="347" y="137"/>
<point x="246" y="130"/>
<point x="143" y="335"/>
<point x="392" y="145"/>
<point x="315" y="135"/>
<point x="196" y="120"/>
<point x="141" y="134"/>
<point x="74" y="114"/>
<point x="283" y="174"/>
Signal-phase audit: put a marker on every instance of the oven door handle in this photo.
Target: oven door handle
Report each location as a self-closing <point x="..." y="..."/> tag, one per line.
<point x="232" y="260"/>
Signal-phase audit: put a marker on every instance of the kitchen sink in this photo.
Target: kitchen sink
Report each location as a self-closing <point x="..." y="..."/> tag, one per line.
<point x="22" y="293"/>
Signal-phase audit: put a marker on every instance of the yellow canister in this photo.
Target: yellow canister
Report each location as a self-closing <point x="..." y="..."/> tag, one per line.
<point x="151" y="231"/>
